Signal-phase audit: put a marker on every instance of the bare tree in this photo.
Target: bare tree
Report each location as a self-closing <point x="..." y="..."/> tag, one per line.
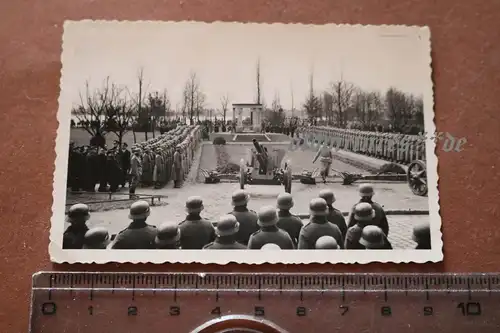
<point x="342" y="93"/>
<point x="120" y="116"/>
<point x="200" y="98"/>
<point x="328" y="107"/>
<point x="193" y="97"/>
<point x="402" y="109"/>
<point x="91" y="113"/>
<point x="276" y="115"/>
<point x="312" y="105"/>
<point x="139" y="101"/>
<point x="224" y="101"/>
<point x="292" y="100"/>
<point x="367" y="106"/>
<point x="258" y="82"/>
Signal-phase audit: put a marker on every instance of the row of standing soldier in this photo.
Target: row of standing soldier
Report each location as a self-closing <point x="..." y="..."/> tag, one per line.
<point x="168" y="157"/>
<point x="152" y="163"/>
<point x="394" y="147"/>
<point x="366" y="228"/>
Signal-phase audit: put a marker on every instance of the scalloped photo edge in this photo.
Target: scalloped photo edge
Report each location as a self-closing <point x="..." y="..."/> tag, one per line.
<point x="93" y="51"/>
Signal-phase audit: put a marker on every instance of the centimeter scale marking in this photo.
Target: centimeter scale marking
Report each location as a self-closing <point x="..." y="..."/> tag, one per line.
<point x="264" y="302"/>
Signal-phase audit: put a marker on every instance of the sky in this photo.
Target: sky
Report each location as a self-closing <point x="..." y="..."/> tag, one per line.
<point x="224" y="58"/>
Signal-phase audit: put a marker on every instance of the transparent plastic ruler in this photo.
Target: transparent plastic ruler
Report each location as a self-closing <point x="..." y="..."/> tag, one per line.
<point x="88" y="302"/>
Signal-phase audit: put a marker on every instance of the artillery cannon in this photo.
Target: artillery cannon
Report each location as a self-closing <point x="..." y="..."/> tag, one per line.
<point x="265" y="168"/>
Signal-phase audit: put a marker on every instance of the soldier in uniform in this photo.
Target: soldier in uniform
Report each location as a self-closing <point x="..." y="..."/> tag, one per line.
<point x="326" y="243"/>
<point x="373" y="238"/>
<point x="422" y="236"/>
<point x="318" y="225"/>
<point x="178" y="173"/>
<point x="326" y="156"/>
<point x="96" y="239"/>
<point x="334" y="215"/>
<point x="139" y="234"/>
<point x="168" y="237"/>
<point x="366" y="192"/>
<point x="135" y="172"/>
<point x="286" y="221"/>
<point x="364" y="215"/>
<point x="147" y="167"/>
<point x="125" y="157"/>
<point x="74" y="235"/>
<point x="245" y="217"/>
<point x="196" y="232"/>
<point x="226" y="231"/>
<point x="269" y="231"/>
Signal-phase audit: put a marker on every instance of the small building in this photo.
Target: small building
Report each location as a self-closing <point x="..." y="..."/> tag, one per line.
<point x="253" y="110"/>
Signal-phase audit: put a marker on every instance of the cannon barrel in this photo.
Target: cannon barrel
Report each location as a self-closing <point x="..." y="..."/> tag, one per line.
<point x="261" y="153"/>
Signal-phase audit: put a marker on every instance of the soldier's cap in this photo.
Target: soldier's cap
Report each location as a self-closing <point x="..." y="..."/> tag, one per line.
<point x="422" y="232"/>
<point x="318" y="207"/>
<point x="326" y="242"/>
<point x="284" y="201"/>
<point x="372" y="237"/>
<point x="364" y="212"/>
<point x="96" y="238"/>
<point x="139" y="210"/>
<point x="228" y="225"/>
<point x="270" y="246"/>
<point x="240" y="198"/>
<point x="366" y="190"/>
<point x="78" y="211"/>
<point x="167" y="234"/>
<point x="267" y="216"/>
<point x="328" y="195"/>
<point x="194" y="205"/>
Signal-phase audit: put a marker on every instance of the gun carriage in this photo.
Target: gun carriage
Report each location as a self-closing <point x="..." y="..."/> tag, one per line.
<point x="265" y="168"/>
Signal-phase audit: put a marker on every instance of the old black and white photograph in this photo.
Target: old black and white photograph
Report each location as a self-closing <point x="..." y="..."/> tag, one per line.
<point x="292" y="143"/>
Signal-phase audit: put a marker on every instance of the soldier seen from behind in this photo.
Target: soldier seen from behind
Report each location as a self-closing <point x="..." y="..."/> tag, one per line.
<point x="226" y="231"/>
<point x="334" y="215"/>
<point x="114" y="173"/>
<point x="96" y="239"/>
<point x="422" y="236"/>
<point x="269" y="231"/>
<point x="286" y="221"/>
<point x="196" y="232"/>
<point x="245" y="217"/>
<point x="325" y="157"/>
<point x="326" y="243"/>
<point x="366" y="192"/>
<point x="74" y="235"/>
<point x="373" y="238"/>
<point x="125" y="157"/>
<point x="168" y="237"/>
<point x="135" y="172"/>
<point x="318" y="225"/>
<point x="363" y="215"/>
<point x="139" y="234"/>
<point x="178" y="173"/>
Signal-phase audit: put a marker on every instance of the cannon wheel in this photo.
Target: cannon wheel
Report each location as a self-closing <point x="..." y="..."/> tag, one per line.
<point x="417" y="177"/>
<point x="242" y="178"/>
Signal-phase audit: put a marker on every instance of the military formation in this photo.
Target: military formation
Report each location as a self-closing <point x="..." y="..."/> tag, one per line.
<point x="155" y="162"/>
<point x="271" y="227"/>
<point x="394" y="147"/>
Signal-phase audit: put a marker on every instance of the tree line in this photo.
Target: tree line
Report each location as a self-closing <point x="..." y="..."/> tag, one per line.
<point x="115" y="109"/>
<point x="343" y="104"/>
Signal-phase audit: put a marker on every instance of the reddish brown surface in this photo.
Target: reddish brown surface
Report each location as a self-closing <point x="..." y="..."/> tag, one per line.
<point x="466" y="60"/>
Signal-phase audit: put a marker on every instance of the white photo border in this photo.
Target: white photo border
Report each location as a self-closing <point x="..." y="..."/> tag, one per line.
<point x="60" y="255"/>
